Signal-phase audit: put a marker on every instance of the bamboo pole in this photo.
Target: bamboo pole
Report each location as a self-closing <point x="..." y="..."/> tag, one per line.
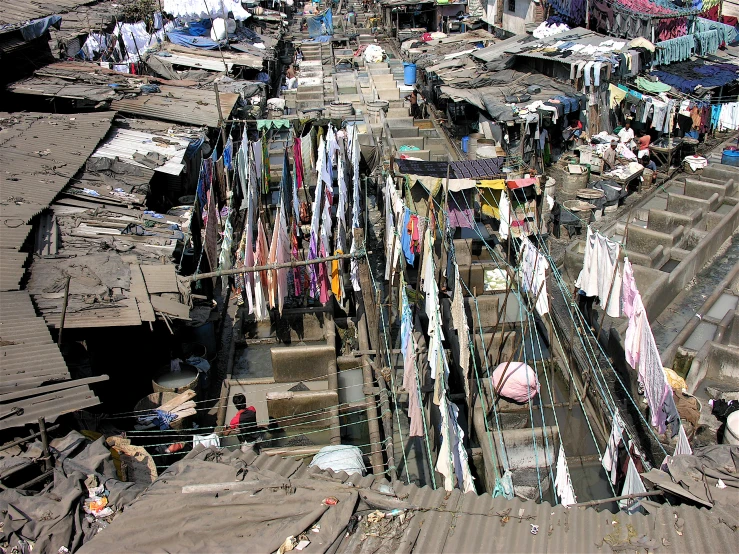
<point x="296" y="263"/>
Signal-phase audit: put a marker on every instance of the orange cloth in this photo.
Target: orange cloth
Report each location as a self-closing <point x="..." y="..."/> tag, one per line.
<point x="336" y="287"/>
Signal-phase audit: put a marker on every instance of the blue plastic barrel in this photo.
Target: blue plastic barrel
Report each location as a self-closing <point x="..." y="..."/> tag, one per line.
<point x="409" y="73"/>
<point x="730" y="157"/>
<point x="465" y="144"/>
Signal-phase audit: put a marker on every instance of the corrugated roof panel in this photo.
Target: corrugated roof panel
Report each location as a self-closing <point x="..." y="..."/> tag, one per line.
<point x="29" y="358"/>
<point x="188" y="106"/>
<point x="14" y="12"/>
<point x="124" y="143"/>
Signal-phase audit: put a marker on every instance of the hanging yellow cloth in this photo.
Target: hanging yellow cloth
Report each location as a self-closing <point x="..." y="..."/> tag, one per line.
<point x="490" y="196"/>
<point x="336" y="287"/>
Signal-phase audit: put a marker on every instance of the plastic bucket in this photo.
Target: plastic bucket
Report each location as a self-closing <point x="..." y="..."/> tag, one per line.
<point x="465" y="144"/>
<point x="730" y="157"/>
<point x="409" y="73"/>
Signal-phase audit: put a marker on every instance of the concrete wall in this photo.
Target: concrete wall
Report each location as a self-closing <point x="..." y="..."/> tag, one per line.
<point x="513" y="22"/>
<point x="714" y="362"/>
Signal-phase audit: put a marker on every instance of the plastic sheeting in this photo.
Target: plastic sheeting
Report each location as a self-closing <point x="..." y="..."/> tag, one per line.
<point x="342" y="457"/>
<point x="319" y="25"/>
<point x="36" y="28"/>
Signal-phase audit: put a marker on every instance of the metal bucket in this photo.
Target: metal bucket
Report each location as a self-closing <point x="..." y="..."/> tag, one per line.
<point x="176" y="382"/>
<point x="341" y="110"/>
<point x="374" y="109"/>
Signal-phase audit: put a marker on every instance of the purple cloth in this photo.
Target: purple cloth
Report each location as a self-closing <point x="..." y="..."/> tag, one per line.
<point x="461" y="213"/>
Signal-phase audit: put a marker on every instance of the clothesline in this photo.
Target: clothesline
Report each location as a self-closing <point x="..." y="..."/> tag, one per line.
<point x="297" y="263"/>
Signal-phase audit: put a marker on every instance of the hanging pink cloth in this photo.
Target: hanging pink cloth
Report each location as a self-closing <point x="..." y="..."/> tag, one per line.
<point x="298" y="157"/>
<point x="262" y="253"/>
<point x="323" y="282"/>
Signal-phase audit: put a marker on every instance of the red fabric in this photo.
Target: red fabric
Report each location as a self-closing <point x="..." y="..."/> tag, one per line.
<point x="711" y="14"/>
<point x="520" y="183"/>
<point x="730" y="20"/>
<point x="235" y="419"/>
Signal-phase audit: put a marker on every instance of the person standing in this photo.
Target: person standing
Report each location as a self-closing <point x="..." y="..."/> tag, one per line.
<point x="609" y="157"/>
<point x="413" y="99"/>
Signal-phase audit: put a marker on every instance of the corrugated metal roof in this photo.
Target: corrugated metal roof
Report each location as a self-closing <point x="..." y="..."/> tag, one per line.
<point x="39" y="154"/>
<point x="188" y="106"/>
<point x="124" y="143"/>
<point x="15" y="12"/>
<point x="29" y="359"/>
<point x="455" y="523"/>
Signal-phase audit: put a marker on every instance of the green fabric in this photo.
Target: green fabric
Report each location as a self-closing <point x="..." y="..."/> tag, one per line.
<point x="654" y="87"/>
<point x="266" y="124"/>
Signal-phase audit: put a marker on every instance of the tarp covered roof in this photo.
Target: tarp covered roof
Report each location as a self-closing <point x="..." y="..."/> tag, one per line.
<point x="221" y="501"/>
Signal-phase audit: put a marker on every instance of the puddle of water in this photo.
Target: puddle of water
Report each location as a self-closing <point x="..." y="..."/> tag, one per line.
<point x="640" y="223"/>
<point x="670" y="265"/>
<point x="704" y="332"/>
<point x="725" y="303"/>
<point x="724" y="209"/>
<point x="657" y="203"/>
<point x="253" y="361"/>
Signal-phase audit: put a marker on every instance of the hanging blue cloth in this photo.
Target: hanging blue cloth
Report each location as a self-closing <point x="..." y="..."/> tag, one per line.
<point x="322" y="24"/>
<point x="228" y="154"/>
<point x="405" y="238"/>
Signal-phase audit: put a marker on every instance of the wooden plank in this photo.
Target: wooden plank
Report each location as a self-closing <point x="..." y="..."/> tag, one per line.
<point x="160" y="278"/>
<point x="170" y="307"/>
<point x="140" y="292"/>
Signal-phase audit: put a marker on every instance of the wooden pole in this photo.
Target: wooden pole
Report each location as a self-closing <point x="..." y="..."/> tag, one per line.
<point x="64" y="310"/>
<point x="372" y="332"/>
<point x="295" y="263"/>
<point x="45" y="443"/>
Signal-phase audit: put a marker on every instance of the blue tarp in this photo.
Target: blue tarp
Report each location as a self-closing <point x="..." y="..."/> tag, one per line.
<point x="37" y="27"/>
<point x="183" y="38"/>
<point x="321" y="24"/>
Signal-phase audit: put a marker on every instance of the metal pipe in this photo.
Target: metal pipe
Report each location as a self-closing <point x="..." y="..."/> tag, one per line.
<point x="28" y="438"/>
<point x="64" y="310"/>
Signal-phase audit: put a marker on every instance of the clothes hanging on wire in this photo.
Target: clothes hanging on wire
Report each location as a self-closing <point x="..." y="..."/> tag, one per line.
<point x="452" y="460"/>
<point x="600" y="275"/>
<point x="563" y="482"/>
<point x="461" y="213"/>
<point x="260" y="281"/>
<point x="610" y="456"/>
<point x="632" y="485"/>
<point x="642" y="354"/>
<point x="410" y="371"/>
<point x="682" y="448"/>
<point x="534" y="267"/>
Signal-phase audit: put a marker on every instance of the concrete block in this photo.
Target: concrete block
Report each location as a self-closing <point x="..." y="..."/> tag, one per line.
<point x="397" y="112"/>
<point x="289" y="407"/>
<point x="399" y="122"/>
<point x="301" y="362"/>
<point x="679" y="203"/>
<point x="403" y="132"/>
<point x="388" y="93"/>
<point x="409" y="141"/>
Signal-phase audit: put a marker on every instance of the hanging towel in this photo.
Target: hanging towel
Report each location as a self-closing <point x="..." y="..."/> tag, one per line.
<point x="563" y="483"/>
<point x="610" y="456"/>
<point x="632" y="485"/>
<point x="683" y="445"/>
